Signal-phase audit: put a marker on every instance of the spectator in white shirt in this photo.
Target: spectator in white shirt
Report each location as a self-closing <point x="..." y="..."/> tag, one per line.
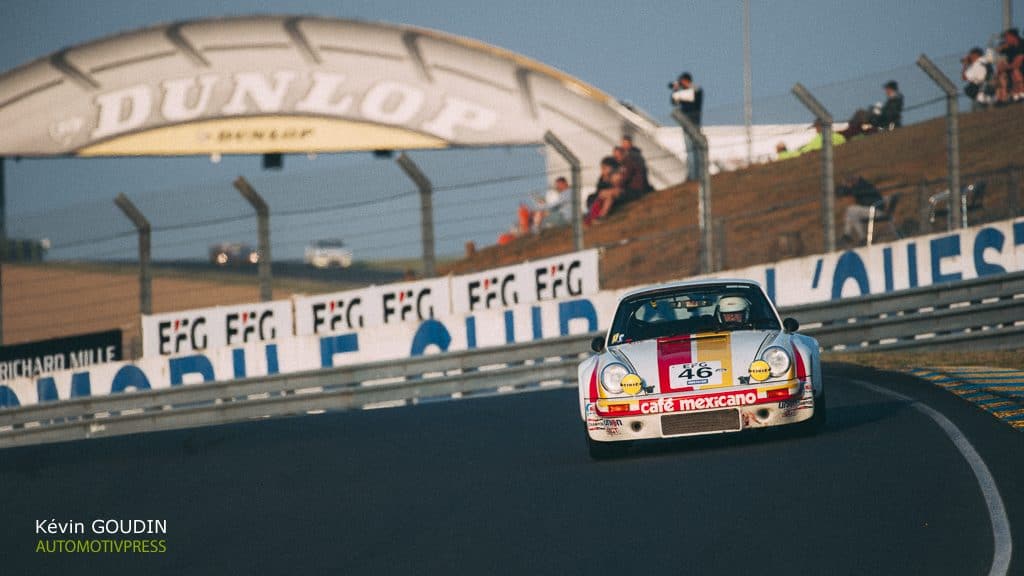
<point x="555" y="209"/>
<point x="978" y="72"/>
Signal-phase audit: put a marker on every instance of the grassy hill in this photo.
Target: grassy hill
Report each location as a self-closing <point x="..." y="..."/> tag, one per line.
<point x="772" y="211"/>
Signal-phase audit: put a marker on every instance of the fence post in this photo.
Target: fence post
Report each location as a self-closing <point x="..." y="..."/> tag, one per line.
<point x="828" y="183"/>
<point x="426" y="211"/>
<point x="1013" y="191"/>
<point x="707" y="248"/>
<point x="957" y="216"/>
<point x="263" y="235"/>
<point x="720" y="261"/>
<point x="3" y="242"/>
<point x="574" y="169"/>
<point x="145" y="231"/>
<point x="924" y="208"/>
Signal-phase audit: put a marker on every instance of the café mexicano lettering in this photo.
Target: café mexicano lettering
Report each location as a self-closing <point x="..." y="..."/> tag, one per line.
<point x="257" y="93"/>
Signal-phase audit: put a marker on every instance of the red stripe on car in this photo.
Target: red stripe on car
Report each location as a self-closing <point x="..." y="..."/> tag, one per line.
<point x="672" y="351"/>
<point x="801" y="370"/>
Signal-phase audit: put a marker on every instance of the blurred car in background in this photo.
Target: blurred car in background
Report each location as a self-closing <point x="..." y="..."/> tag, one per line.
<point x="327" y="253"/>
<point x="23" y="249"/>
<point x="233" y="254"/>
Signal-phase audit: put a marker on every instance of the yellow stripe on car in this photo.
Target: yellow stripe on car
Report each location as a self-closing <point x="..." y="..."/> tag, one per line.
<point x="715" y="347"/>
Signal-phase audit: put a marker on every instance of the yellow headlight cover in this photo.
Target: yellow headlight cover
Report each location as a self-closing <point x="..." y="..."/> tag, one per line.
<point x="760" y="370"/>
<point x="631" y="384"/>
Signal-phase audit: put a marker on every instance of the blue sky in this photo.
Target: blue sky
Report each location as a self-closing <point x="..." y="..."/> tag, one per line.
<point x="847" y="48"/>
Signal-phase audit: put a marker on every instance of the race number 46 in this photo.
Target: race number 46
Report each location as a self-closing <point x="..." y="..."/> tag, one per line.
<point x="695" y="374"/>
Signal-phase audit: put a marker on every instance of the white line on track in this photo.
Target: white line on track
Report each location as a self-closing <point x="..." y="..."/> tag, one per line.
<point x="996" y="510"/>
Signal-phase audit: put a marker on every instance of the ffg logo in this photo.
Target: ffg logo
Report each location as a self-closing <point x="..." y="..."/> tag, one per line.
<point x="336" y="314"/>
<point x="489" y="292"/>
<point x="183" y="333"/>
<point x="558" y="281"/>
<point x="249" y="326"/>
<point x="405" y="303"/>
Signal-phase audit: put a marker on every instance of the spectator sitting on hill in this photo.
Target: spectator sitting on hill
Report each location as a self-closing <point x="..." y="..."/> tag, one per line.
<point x="887" y="116"/>
<point x="864" y="195"/>
<point x="637" y="157"/>
<point x="978" y="72"/>
<point x="508" y="236"/>
<point x="607" y="191"/>
<point x="633" y="182"/>
<point x="890" y="115"/>
<point x="859" y="124"/>
<point x="524" y="217"/>
<point x="1011" y="70"/>
<point x="555" y="209"/>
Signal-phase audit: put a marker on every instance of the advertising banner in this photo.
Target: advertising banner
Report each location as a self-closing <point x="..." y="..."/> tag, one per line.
<point x="190" y="330"/>
<point x="975" y="252"/>
<point x="259" y="358"/>
<point x="237" y="342"/>
<point x="565" y="276"/>
<point x="371" y="307"/>
<point x="33" y="359"/>
<point x="558" y="278"/>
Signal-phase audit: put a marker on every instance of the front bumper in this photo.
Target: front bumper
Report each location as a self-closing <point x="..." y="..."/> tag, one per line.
<point x="675" y="423"/>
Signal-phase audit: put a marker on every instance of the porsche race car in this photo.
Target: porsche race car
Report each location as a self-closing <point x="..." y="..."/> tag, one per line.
<point x="699" y="357"/>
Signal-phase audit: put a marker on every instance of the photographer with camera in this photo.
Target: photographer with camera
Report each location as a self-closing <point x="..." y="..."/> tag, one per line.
<point x="689" y="98"/>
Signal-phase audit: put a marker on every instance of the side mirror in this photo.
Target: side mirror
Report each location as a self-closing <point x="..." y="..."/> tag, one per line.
<point x="790" y="324"/>
<point x="597" y="344"/>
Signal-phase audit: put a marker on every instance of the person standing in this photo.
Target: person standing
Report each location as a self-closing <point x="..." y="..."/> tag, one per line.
<point x="689" y="99"/>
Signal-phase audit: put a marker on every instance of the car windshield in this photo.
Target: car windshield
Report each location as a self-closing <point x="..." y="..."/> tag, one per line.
<point x="691" y="309"/>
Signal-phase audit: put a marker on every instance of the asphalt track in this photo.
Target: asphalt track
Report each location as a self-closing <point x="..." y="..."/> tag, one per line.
<point x="503" y="485"/>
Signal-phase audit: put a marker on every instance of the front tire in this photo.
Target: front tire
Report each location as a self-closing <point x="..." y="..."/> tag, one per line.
<point x="818" y="421"/>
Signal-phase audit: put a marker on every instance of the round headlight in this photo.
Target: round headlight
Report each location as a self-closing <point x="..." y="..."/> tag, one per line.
<point x="778" y="361"/>
<point x="611" y="377"/>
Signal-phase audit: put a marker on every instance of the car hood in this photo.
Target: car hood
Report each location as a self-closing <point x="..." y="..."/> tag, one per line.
<point x="694" y="362"/>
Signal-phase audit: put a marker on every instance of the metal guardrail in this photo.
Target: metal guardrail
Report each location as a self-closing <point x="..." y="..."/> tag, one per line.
<point x="521" y="366"/>
<point x="983" y="313"/>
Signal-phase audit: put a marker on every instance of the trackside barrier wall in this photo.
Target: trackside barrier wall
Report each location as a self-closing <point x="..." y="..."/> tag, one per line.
<point x="504" y="369"/>
<point x="558" y="278"/>
<point x="902" y="311"/>
<point x="397" y="343"/>
<point x="529" y="365"/>
<point x="932" y="260"/>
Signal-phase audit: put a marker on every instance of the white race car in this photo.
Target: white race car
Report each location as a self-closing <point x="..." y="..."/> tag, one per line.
<point x="327" y="253"/>
<point x="694" y="358"/>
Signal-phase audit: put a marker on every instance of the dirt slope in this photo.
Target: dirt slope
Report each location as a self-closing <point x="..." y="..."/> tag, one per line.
<point x="772" y="211"/>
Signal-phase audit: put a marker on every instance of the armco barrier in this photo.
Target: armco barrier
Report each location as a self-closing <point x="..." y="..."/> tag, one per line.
<point x="551" y="361"/>
<point x="983" y="313"/>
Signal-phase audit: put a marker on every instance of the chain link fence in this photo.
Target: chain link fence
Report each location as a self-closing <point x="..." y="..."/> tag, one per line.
<point x="770" y="211"/>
